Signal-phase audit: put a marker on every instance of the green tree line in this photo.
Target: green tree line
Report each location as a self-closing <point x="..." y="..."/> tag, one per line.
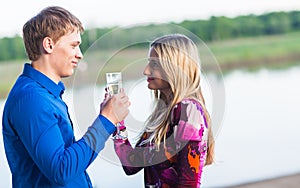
<point x="212" y="29"/>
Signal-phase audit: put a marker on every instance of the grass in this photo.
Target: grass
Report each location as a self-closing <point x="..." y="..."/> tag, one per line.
<point x="251" y="53"/>
<point x="256" y="48"/>
<point x="9" y="72"/>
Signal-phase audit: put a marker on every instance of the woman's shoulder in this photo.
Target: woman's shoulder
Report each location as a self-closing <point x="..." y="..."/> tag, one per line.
<point x="189" y="101"/>
<point x="188" y="105"/>
<point x="187" y="109"/>
<point x="188" y="120"/>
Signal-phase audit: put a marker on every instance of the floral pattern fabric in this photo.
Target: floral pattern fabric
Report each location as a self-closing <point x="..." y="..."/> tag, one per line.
<point x="181" y="161"/>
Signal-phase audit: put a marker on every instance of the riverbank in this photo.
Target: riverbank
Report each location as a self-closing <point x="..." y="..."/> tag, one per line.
<point x="276" y="51"/>
<point x="290" y="181"/>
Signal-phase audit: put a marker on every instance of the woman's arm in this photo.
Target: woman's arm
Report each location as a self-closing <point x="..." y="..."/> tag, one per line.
<point x="131" y="158"/>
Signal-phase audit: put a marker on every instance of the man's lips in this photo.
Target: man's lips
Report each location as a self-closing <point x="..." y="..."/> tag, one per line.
<point x="75" y="63"/>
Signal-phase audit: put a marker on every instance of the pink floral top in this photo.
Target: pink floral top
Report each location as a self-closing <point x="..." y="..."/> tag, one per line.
<point x="180" y="163"/>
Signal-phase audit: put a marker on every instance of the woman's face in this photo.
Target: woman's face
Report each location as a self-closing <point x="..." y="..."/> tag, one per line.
<point x="156" y="77"/>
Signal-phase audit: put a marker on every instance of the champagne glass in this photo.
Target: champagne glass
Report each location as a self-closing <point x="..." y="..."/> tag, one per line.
<point x="114" y="84"/>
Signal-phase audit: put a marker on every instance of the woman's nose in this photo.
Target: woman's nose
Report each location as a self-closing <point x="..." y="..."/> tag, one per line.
<point x="147" y="70"/>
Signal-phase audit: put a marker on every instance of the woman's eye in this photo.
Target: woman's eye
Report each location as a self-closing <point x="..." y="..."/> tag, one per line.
<point x="154" y="64"/>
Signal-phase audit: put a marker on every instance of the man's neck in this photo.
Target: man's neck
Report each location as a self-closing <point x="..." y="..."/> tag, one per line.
<point x="46" y="69"/>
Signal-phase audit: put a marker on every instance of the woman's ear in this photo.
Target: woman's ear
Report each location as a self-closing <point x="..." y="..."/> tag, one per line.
<point x="48" y="44"/>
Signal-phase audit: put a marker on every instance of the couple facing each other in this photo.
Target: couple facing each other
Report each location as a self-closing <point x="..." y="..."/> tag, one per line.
<point x="38" y="135"/>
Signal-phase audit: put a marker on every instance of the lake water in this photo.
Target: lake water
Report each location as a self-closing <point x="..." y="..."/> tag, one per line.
<point x="259" y="137"/>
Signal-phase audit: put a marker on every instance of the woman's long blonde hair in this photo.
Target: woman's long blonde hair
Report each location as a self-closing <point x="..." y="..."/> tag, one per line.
<point x="179" y="58"/>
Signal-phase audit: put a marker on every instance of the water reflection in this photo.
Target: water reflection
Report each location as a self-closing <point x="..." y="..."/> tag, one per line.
<point x="259" y="138"/>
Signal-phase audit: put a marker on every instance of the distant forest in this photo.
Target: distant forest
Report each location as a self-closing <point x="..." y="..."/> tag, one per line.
<point x="212" y="29"/>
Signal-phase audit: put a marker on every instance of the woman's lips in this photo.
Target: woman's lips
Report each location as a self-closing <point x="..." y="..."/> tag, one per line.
<point x="149" y="79"/>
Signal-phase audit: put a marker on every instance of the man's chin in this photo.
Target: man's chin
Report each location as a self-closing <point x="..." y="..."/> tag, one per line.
<point x="68" y="75"/>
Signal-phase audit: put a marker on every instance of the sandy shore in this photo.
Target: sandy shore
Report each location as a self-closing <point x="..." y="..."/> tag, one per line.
<point x="290" y="181"/>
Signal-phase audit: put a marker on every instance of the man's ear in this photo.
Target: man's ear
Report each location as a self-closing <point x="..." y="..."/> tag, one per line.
<point x="48" y="44"/>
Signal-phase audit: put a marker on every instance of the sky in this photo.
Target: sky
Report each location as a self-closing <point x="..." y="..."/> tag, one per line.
<point x="97" y="13"/>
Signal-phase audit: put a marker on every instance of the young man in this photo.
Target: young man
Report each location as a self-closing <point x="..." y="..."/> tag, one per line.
<point x="37" y="130"/>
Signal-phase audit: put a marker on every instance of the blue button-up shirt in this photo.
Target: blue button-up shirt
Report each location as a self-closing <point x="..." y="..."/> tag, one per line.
<point x="38" y="137"/>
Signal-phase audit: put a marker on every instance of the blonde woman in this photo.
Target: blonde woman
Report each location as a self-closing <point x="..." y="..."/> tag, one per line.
<point x="177" y="141"/>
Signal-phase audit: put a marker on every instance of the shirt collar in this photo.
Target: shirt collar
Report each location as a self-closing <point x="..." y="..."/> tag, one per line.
<point x="56" y="89"/>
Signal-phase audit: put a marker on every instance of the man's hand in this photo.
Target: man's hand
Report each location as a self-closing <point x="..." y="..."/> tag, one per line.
<point x="115" y="107"/>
